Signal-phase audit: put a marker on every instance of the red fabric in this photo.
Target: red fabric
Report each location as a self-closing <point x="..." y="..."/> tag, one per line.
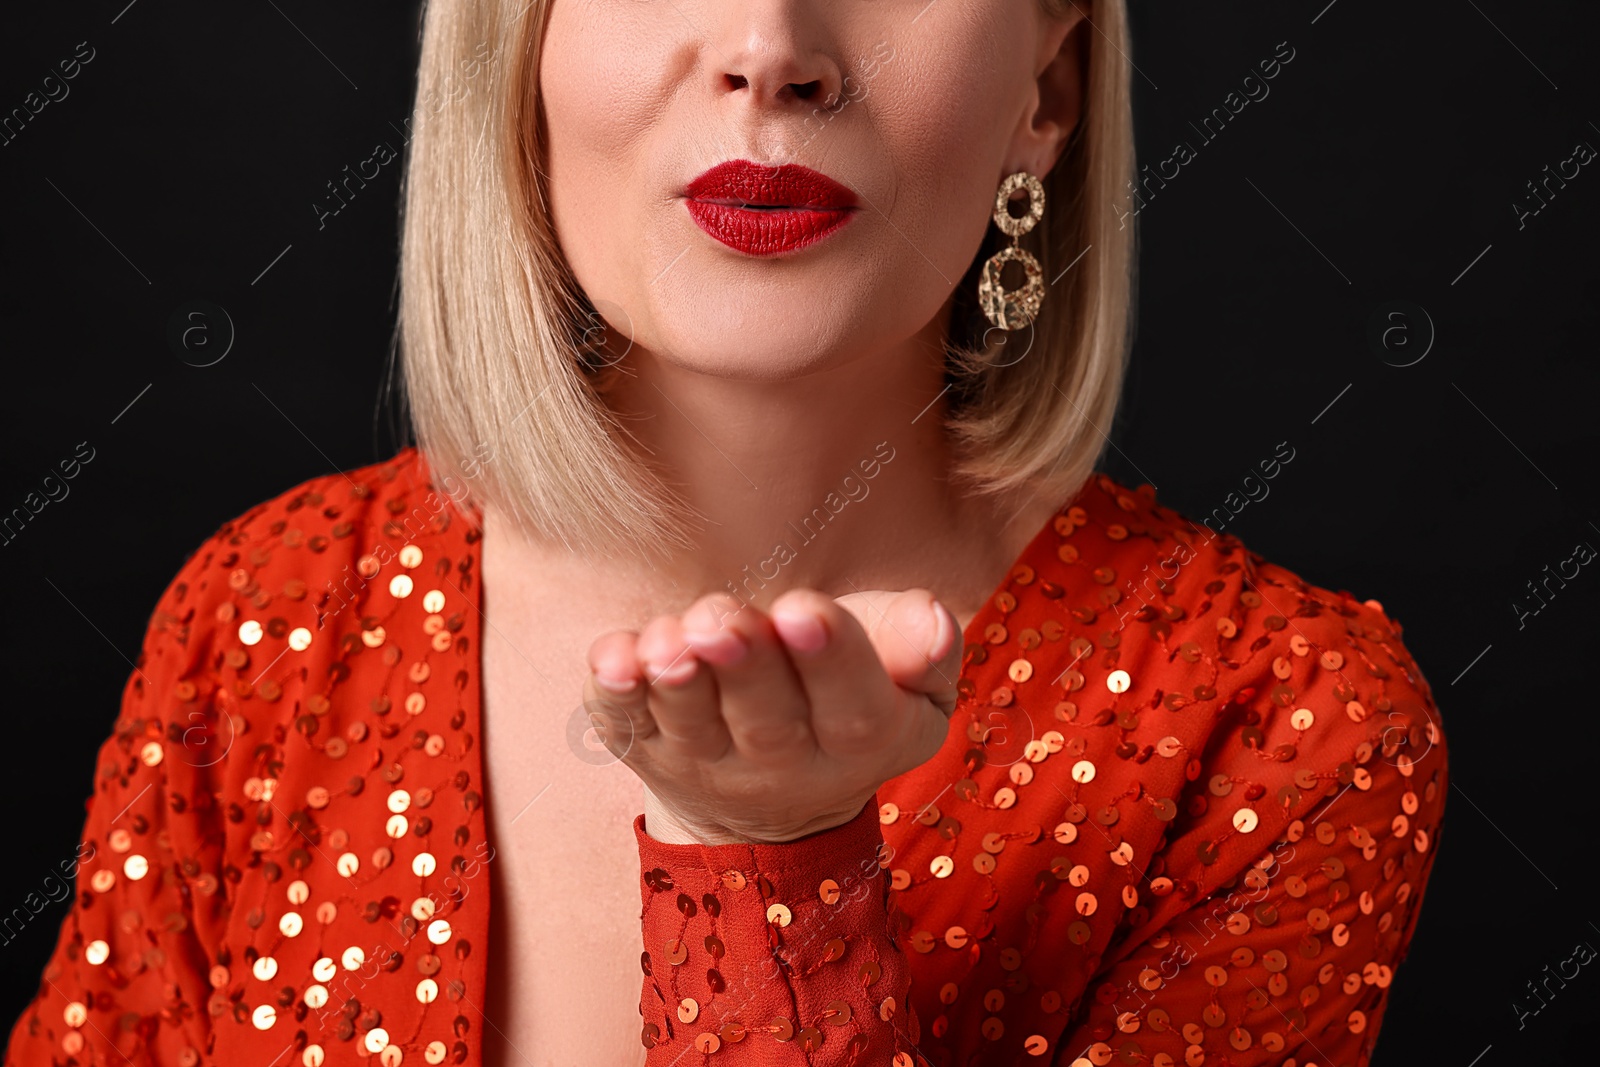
<point x="1217" y="858"/>
<point x="791" y="984"/>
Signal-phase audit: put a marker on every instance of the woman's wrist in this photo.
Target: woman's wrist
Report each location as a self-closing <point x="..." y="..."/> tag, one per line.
<point x="669" y="828"/>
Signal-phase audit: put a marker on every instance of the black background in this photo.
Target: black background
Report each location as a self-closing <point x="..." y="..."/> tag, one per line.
<point x="1382" y="167"/>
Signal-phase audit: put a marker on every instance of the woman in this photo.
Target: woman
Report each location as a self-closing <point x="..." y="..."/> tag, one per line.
<point x="753" y="562"/>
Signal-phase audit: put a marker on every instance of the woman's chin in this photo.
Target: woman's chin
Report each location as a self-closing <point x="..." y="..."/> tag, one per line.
<point x="753" y="355"/>
<point x="738" y="340"/>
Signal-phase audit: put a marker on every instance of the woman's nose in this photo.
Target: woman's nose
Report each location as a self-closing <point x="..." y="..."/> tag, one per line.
<point x="778" y="52"/>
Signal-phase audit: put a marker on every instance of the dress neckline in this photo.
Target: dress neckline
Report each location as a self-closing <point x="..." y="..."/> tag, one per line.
<point x="976" y="670"/>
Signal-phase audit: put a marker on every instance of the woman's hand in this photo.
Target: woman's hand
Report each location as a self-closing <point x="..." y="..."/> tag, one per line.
<point x="746" y="726"/>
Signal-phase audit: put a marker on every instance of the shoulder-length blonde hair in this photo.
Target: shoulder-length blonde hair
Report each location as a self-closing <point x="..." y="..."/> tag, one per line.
<point x="492" y="326"/>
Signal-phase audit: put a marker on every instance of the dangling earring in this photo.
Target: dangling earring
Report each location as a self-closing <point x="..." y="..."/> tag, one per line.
<point x="1016" y="309"/>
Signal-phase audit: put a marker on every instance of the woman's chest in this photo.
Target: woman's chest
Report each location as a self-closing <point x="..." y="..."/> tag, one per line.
<point x="564" y="979"/>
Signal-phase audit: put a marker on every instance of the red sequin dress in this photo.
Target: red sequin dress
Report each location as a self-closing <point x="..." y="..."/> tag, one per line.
<point x="1185" y="814"/>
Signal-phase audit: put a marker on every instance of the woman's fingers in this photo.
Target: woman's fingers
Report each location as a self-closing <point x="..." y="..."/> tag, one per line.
<point x="853" y="702"/>
<point x="762" y="701"/>
<point x="859" y="674"/>
<point x="682" y="692"/>
<point x="917" y="641"/>
<point x="614" y="694"/>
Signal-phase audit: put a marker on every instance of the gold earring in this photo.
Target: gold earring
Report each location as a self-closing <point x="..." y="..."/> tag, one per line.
<point x="1016" y="309"/>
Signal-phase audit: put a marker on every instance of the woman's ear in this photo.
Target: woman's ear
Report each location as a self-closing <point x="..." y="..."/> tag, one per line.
<point x="1056" y="104"/>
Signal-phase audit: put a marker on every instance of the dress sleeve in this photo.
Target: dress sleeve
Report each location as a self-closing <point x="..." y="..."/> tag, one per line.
<point x="1285" y="900"/>
<point x="129" y="979"/>
<point x="774" y="954"/>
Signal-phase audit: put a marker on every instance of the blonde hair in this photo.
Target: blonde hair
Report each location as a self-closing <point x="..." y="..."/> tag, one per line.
<point x="492" y="325"/>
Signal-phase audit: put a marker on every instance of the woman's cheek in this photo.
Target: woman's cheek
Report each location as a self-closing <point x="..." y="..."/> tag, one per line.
<point x="944" y="129"/>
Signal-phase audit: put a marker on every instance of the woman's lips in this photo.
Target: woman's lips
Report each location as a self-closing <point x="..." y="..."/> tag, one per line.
<point x="765" y="210"/>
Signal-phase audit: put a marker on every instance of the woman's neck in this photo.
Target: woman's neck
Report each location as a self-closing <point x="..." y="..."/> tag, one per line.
<point x="838" y="480"/>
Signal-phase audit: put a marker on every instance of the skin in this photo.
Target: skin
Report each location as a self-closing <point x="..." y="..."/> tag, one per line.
<point x="757" y="384"/>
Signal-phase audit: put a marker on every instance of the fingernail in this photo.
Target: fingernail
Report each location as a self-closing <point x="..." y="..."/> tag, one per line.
<point x="677" y="672"/>
<point x="613" y="684"/>
<point x="944" y="631"/>
<point x="801" y="630"/>
<point x="722" y="647"/>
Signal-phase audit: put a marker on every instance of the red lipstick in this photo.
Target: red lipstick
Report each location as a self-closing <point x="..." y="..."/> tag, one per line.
<point x="766" y="210"/>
